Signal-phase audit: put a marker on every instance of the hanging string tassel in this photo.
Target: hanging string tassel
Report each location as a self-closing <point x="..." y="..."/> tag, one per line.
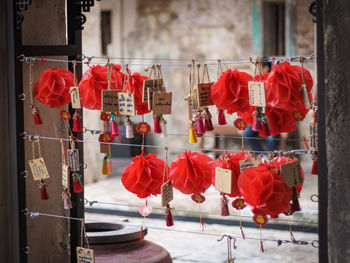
<point x="199" y="124"/>
<point x="264" y="126"/>
<point x="208" y="124"/>
<point x="141" y="234"/>
<point x="314" y="169"/>
<point x="295" y="201"/>
<point x="77" y="184"/>
<point x="168" y="216"/>
<point x="43" y="191"/>
<point x="129" y="129"/>
<point x="105" y="166"/>
<point x="224" y="205"/>
<point x="256" y="124"/>
<point x="202" y="224"/>
<point x="192" y="136"/>
<point x="261" y="242"/>
<point x="156" y="124"/>
<point x="66" y="197"/>
<point x="77" y="127"/>
<point x="221" y="118"/>
<point x="114" y="125"/>
<point x="37" y="118"/>
<point x="163" y="127"/>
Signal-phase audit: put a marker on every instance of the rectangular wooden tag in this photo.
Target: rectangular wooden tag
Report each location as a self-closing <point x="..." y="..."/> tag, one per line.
<point x="203" y="95"/>
<point x="65" y="176"/>
<point x="313" y="135"/>
<point x="75" y="96"/>
<point x="167" y="193"/>
<point x="153" y="85"/>
<point x="291" y="174"/>
<point x="38" y="169"/>
<point x="126" y="104"/>
<point x="223" y="180"/>
<point x="306" y="97"/>
<point x="253" y="162"/>
<point x="162" y="102"/>
<point x="73" y="159"/>
<point x="85" y="255"/>
<point x="109" y="100"/>
<point x="104" y="148"/>
<point x="257" y="94"/>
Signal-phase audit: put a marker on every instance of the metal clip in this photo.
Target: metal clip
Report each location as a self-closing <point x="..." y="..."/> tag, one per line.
<point x="25" y="211"/>
<point x="24" y="135"/>
<point x="314" y="198"/>
<point x="26" y="250"/>
<point x="22" y="97"/>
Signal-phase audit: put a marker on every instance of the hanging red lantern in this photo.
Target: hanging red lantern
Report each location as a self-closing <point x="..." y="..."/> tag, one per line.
<point x="143" y="128"/>
<point x="230" y="92"/>
<point x="144" y="175"/>
<point x="191" y="172"/>
<point x="230" y="161"/>
<point x="94" y="81"/>
<point x="264" y="190"/>
<point x="240" y="124"/>
<point x="53" y="87"/>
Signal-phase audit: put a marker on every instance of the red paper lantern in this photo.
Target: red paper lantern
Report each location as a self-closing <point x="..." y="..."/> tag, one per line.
<point x="191" y="172"/>
<point x="144" y="175"/>
<point x="53" y="87"/>
<point x="136" y="87"/>
<point x="230" y="92"/>
<point x="264" y="190"/>
<point x="94" y="81"/>
<point x="231" y="162"/>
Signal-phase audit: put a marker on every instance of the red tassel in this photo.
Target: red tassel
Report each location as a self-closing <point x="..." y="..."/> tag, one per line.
<point x="314" y="167"/>
<point x="114" y="129"/>
<point x="208" y="124"/>
<point x="224" y="206"/>
<point x="43" y="192"/>
<point x="256" y="124"/>
<point x="156" y="124"/>
<point x="295" y="201"/>
<point x="77" y="122"/>
<point x="141" y="234"/>
<point x="168" y="216"/>
<point x="77" y="186"/>
<point x="199" y="124"/>
<point x="306" y="144"/>
<point x="221" y="118"/>
<point x="37" y="118"/>
<point x="264" y="130"/>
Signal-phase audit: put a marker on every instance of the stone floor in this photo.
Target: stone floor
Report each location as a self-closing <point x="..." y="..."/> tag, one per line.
<point x="188" y="247"/>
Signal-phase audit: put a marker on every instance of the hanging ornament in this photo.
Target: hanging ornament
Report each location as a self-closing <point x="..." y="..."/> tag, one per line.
<point x="163" y="127"/>
<point x="36" y="115"/>
<point x="167" y="192"/>
<point x="37" y="118"/>
<point x="241" y="125"/>
<point x="105" y="139"/>
<point x="66" y="197"/>
<point x="156" y="122"/>
<point x="77" y="127"/>
<point x="199" y="123"/>
<point x="314" y="140"/>
<point x="221" y="118"/>
<point x="94" y="81"/>
<point x="105" y="170"/>
<point x="77" y="185"/>
<point x="314" y="169"/>
<point x="114" y="125"/>
<point x="208" y="124"/>
<point x="192" y="136"/>
<point x="260" y="220"/>
<point x="144" y="175"/>
<point x="65" y="115"/>
<point x="43" y="190"/>
<point x="224" y="205"/>
<point x="129" y="128"/>
<point x="168" y="216"/>
<point x="143" y="128"/>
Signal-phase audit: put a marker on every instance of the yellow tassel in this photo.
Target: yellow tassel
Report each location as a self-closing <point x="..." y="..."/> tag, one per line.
<point x="192" y="136"/>
<point x="105" y="167"/>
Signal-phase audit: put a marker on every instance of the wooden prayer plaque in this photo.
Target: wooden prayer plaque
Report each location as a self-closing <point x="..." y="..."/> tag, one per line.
<point x="73" y="159"/>
<point x="306" y="97"/>
<point x="162" y="102"/>
<point x="313" y="135"/>
<point x="167" y="193"/>
<point x="126" y="104"/>
<point x="65" y="176"/>
<point x="75" y="96"/>
<point x="104" y="148"/>
<point x="152" y="84"/>
<point x="257" y="94"/>
<point x="109" y="101"/>
<point x="253" y="162"/>
<point x="203" y="95"/>
<point x="38" y="169"/>
<point x="291" y="174"/>
<point x="223" y="180"/>
<point x="85" y="255"/>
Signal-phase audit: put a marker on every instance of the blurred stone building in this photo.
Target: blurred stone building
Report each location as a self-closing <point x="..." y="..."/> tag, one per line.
<point x="191" y="29"/>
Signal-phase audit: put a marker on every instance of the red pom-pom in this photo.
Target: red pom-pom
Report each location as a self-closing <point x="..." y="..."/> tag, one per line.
<point x="264" y="190"/>
<point x="94" y="81"/>
<point x="230" y="92"/>
<point x="53" y="87"/>
<point x="191" y="172"/>
<point x="144" y="175"/>
<point x="231" y="162"/>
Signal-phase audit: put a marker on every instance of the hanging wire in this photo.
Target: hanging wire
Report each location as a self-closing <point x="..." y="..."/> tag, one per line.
<point x="279" y="242"/>
<point x="91" y="203"/>
<point x="36" y="137"/>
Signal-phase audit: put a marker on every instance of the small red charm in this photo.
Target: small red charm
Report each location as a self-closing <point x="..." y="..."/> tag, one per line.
<point x="260" y="219"/>
<point x="239" y="203"/>
<point x="240" y="124"/>
<point x="143" y="128"/>
<point x="297" y="116"/>
<point x="104" y="116"/>
<point x="105" y="137"/>
<point x="145" y="210"/>
<point x="65" y="115"/>
<point x="198" y="198"/>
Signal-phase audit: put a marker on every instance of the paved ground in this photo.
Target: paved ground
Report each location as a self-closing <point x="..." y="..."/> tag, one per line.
<point x="186" y="247"/>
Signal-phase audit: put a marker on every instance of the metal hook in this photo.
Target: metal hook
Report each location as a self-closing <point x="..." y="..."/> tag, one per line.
<point x="315" y="244"/>
<point x="24" y="135"/>
<point x="22" y="97"/>
<point x="25" y="211"/>
<point x="314" y="198"/>
<point x="84" y="166"/>
<point x="26" y="250"/>
<point x="21" y="57"/>
<point x="24" y="173"/>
